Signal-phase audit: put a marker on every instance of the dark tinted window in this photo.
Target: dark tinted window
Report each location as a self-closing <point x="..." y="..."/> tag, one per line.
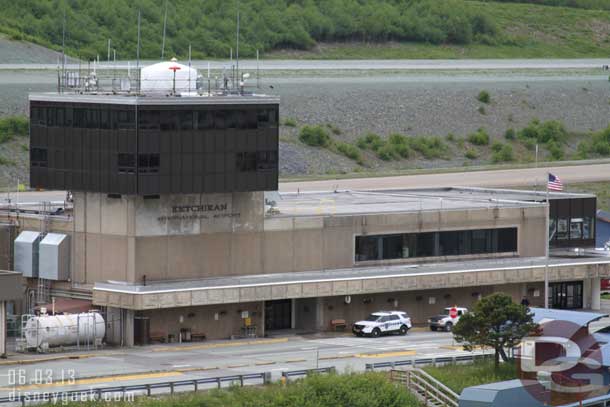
<point x="450" y="243"/>
<point x="168" y="120"/>
<point x="123" y="119"/>
<point x="148" y="120"/>
<point x="205" y="120"/>
<point x="126" y="163"/>
<point x="38" y="157"/>
<point x="186" y="120"/>
<point x="148" y="163"/>
<point x="367" y="248"/>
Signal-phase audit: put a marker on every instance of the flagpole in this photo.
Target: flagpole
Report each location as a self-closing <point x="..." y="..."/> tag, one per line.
<point x="546" y="263"/>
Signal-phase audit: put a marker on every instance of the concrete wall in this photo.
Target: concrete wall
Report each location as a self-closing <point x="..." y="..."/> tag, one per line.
<point x="202" y="319"/>
<point x="198" y="236"/>
<point x="420" y="305"/>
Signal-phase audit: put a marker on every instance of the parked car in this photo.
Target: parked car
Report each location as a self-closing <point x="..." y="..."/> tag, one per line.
<point x="446" y="319"/>
<point x="383" y="322"/>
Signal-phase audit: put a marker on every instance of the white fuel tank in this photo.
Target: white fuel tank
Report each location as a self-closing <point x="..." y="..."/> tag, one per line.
<point x="64" y="330"/>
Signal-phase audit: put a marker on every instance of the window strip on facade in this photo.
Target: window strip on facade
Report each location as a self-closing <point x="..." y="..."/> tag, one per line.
<point x="435" y="244"/>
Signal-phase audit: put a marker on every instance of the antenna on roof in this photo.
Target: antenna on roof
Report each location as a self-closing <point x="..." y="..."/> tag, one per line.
<point x="63" y="47"/>
<point x="164" y="26"/>
<point x="237" y="46"/>
<point x="189" y="69"/>
<point x="138" y="54"/>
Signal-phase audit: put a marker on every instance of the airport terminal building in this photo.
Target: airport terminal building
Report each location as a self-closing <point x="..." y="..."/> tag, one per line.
<point x="177" y="229"/>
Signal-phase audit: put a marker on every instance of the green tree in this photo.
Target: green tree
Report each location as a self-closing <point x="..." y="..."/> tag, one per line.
<point x="496" y="322"/>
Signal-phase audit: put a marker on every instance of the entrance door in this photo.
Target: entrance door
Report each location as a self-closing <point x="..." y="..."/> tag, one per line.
<point x="278" y="314"/>
<point x="566" y="295"/>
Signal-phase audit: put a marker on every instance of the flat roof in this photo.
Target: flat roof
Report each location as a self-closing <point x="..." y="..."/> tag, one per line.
<point x="350" y="202"/>
<point x="155" y="99"/>
<point x="345" y="274"/>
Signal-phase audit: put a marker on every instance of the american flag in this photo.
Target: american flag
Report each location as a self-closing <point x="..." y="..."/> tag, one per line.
<point x="554" y="183"/>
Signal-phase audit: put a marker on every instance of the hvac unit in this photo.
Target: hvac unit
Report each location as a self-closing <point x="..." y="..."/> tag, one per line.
<point x="26" y="251"/>
<point x="54" y="258"/>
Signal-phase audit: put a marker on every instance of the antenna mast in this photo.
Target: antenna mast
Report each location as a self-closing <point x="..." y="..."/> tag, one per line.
<point x="63" y="49"/>
<point x="164" y="26"/>
<point x="237" y="47"/>
<point x="138" y="55"/>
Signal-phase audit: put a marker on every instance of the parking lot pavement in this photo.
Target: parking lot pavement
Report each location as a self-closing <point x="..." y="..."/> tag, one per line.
<point x="161" y="363"/>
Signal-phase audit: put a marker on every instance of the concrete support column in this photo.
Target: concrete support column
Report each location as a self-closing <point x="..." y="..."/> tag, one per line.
<point x="261" y="331"/>
<point x="128" y="327"/>
<point x="596" y="293"/>
<point x="293" y="311"/>
<point x="3" y="329"/>
<point x="320" y="322"/>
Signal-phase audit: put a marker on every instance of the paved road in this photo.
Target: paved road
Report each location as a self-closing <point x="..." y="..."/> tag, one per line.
<point x="372" y="64"/>
<point x="161" y="363"/>
<point x="494" y="178"/>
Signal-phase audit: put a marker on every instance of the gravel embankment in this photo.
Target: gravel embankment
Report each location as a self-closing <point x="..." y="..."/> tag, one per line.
<point x="413" y="104"/>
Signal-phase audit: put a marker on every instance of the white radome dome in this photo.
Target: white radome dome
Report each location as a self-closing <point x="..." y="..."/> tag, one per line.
<point x="160" y="77"/>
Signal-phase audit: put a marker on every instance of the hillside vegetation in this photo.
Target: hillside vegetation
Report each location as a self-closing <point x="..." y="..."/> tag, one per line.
<point x="443" y="28"/>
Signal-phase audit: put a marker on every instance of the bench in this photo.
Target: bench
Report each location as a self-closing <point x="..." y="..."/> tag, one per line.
<point x="158" y="337"/>
<point x="197" y="336"/>
<point x="338" y="324"/>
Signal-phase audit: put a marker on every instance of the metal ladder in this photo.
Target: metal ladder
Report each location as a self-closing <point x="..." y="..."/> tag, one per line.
<point x="425" y="387"/>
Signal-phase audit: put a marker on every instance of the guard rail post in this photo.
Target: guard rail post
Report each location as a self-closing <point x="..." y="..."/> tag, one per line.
<point x="219" y="383"/>
<point x="266" y="377"/>
<point x="241" y="380"/>
<point x="148" y="390"/>
<point x="195" y="385"/>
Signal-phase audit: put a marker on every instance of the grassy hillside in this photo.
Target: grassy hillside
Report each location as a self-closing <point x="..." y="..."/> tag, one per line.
<point x="318" y="28"/>
<point x="524" y="31"/>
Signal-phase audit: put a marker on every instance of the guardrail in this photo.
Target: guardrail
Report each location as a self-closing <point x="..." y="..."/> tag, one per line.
<point x="147" y="389"/>
<point x="426" y="361"/>
<point x="601" y="401"/>
<point x="307" y="372"/>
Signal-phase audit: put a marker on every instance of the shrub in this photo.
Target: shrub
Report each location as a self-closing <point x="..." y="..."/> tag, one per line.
<point x="484" y="97"/>
<point x="471" y="154"/>
<point x="350" y="151"/>
<point x="496" y="146"/>
<point x="510" y="134"/>
<point x="290" y="122"/>
<point x="482" y="110"/>
<point x="334" y="129"/>
<point x="545" y="132"/>
<point x="315" y="136"/>
<point x="429" y="147"/>
<point x="479" y="138"/>
<point x="12" y="126"/>
<point x="503" y="154"/>
<point x="597" y="145"/>
<point x="386" y="153"/>
<point x="555" y="150"/>
<point x="402" y="150"/>
<point x="450" y="137"/>
<point x="370" y="140"/>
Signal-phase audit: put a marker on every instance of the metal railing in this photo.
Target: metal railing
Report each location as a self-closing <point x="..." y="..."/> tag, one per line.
<point x="148" y="388"/>
<point x="426" y="361"/>
<point x="307" y="372"/>
<point x="601" y="401"/>
<point x="427" y="388"/>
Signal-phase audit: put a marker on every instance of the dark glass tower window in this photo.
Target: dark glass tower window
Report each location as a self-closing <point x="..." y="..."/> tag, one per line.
<point x="38" y="157"/>
<point x="148" y="163"/>
<point x="126" y="163"/>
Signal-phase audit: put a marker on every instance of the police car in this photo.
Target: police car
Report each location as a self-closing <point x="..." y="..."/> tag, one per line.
<point x="383" y="322"/>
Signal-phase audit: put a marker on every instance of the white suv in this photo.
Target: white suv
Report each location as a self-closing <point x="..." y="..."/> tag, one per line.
<point x="444" y="321"/>
<point x="383" y="322"/>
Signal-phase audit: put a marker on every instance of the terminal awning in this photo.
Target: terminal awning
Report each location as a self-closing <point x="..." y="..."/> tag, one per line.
<point x="348" y="281"/>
